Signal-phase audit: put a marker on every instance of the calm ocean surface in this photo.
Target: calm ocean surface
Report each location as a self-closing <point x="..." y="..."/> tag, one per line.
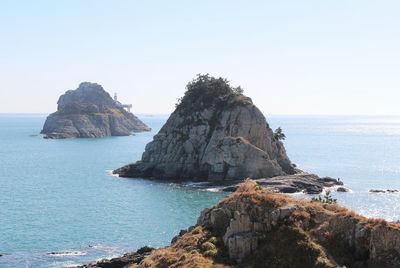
<point x="58" y="195"/>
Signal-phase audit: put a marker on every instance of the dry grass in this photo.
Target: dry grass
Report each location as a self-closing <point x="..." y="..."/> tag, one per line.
<point x="250" y="190"/>
<point x="299" y="251"/>
<point x="197" y="248"/>
<point x="300" y="215"/>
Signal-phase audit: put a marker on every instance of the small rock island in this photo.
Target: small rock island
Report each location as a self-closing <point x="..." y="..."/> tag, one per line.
<point x="217" y="134"/>
<point x="90" y="112"/>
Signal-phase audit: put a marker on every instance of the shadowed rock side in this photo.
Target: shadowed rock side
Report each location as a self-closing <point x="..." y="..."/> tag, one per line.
<point x="214" y="134"/>
<point x="90" y="112"/>
<point x="257" y="228"/>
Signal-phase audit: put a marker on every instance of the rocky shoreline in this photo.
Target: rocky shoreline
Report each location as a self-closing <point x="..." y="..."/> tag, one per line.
<point x="121" y="262"/>
<point x="301" y="182"/>
<point x="297" y="183"/>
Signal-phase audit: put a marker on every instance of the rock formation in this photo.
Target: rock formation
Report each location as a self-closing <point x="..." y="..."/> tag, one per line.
<point x="90" y="112"/>
<point x="121" y="262"/>
<point x="257" y="228"/>
<point x="215" y="134"/>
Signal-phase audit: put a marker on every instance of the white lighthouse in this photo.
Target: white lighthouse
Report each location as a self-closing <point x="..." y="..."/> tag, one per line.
<point x="126" y="106"/>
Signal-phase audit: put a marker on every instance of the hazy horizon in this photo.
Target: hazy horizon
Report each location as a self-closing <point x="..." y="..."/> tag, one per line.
<point x="291" y="58"/>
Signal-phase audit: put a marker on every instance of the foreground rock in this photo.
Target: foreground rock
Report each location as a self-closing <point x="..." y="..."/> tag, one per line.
<point x="120" y="262"/>
<point x="215" y="134"/>
<point x="90" y="112"/>
<point x="257" y="228"/>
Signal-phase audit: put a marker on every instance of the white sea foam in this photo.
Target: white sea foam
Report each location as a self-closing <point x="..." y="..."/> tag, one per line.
<point x="201" y="184"/>
<point x="100" y="246"/>
<point x="69" y="264"/>
<point x="110" y="173"/>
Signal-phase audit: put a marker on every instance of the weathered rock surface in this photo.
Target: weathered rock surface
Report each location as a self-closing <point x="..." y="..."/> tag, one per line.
<point x="90" y="112"/>
<point x="121" y="262"/>
<point x="257" y="228"/>
<point x="214" y="134"/>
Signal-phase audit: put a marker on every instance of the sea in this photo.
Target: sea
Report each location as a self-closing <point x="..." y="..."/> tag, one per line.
<point x="61" y="206"/>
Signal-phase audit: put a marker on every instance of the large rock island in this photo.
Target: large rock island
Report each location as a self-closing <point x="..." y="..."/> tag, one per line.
<point x="90" y="112"/>
<point x="217" y="134"/>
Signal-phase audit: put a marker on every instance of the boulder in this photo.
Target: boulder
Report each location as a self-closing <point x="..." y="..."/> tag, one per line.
<point x="342" y="190"/>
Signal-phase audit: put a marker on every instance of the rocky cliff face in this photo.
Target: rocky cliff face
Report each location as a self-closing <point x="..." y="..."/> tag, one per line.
<point x="90" y="112"/>
<point x="214" y="134"/>
<point x="258" y="228"/>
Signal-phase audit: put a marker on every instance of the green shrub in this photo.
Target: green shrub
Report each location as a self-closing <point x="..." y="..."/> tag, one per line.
<point x="207" y="91"/>
<point x="326" y="199"/>
<point x="279" y="135"/>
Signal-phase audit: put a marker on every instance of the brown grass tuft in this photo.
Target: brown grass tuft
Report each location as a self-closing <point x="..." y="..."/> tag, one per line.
<point x="195" y="249"/>
<point x="253" y="192"/>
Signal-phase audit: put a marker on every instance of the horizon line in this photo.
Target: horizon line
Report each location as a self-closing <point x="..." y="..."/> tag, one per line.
<point x="268" y="114"/>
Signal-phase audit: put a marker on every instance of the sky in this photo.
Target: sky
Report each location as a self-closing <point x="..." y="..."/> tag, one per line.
<point x="290" y="57"/>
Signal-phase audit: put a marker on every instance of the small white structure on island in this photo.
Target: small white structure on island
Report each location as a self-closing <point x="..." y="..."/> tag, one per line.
<point x="126" y="106"/>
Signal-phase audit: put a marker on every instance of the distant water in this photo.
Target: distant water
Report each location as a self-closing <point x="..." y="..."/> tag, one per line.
<point x="59" y="196"/>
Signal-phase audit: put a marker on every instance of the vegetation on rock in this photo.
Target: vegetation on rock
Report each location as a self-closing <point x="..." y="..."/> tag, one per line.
<point x="279" y="135"/>
<point x="206" y="91"/>
<point x="327" y="199"/>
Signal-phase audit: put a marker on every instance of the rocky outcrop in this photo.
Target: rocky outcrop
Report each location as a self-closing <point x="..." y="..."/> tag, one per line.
<point x="215" y="134"/>
<point x="121" y="262"/>
<point x="257" y="228"/>
<point x="300" y="182"/>
<point x="90" y="112"/>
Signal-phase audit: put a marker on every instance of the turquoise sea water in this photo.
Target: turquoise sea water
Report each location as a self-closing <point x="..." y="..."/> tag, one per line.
<point x="58" y="195"/>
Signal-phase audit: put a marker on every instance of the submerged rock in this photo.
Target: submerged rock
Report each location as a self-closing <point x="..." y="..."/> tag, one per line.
<point x="383" y="191"/>
<point x="90" y="112"/>
<point x="257" y="228"/>
<point x="215" y="134"/>
<point x="66" y="253"/>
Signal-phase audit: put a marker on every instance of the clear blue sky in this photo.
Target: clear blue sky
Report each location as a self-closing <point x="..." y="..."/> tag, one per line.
<point x="291" y="57"/>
